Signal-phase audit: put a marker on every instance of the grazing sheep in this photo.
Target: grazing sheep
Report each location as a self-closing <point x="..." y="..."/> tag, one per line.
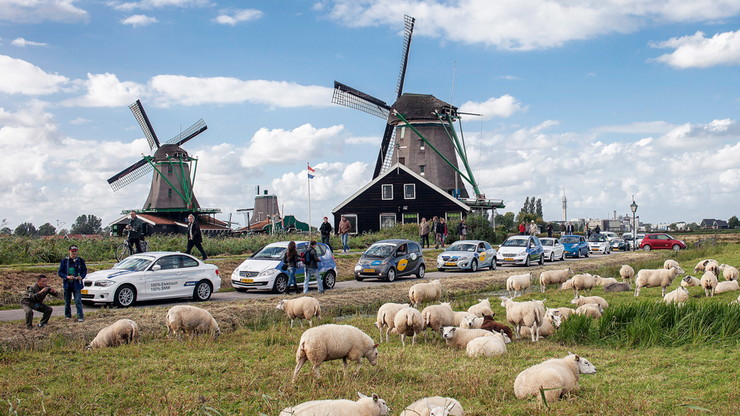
<point x="483" y="307"/>
<point x="554" y="276"/>
<point x="729" y="272"/>
<point x="365" y="406"/>
<point x="565" y="312"/>
<point x="603" y="281"/>
<point x="434" y="406"/>
<point x="627" y="273"/>
<point x="728" y="286"/>
<point x="386" y="316"/>
<point x="471" y="322"/>
<point x="567" y="285"/>
<point x="301" y="308"/>
<point x="408" y="322"/>
<point x="487" y="346"/>
<point x="556" y="376"/>
<point x="582" y="300"/>
<point x="438" y="316"/>
<point x="712" y="266"/>
<point x="459" y="317"/>
<point x="120" y="332"/>
<point x="700" y="267"/>
<point x="690" y="281"/>
<point x="334" y="342"/>
<point x="671" y="263"/>
<point x="518" y="283"/>
<point x="190" y="319"/>
<point x="459" y="337"/>
<point x="709" y="283"/>
<point x="617" y="287"/>
<point x="490" y="325"/>
<point x="425" y="292"/>
<point x="520" y="314"/>
<point x="679" y="296"/>
<point x="550" y="324"/>
<point x="655" y="278"/>
<point x="592" y="310"/>
<point x="584" y="282"/>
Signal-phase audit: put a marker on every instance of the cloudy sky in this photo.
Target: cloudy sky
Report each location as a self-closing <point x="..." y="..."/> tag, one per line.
<point x="602" y="100"/>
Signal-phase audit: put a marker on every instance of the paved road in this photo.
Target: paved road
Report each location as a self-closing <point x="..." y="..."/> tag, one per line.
<point x="18" y="314"/>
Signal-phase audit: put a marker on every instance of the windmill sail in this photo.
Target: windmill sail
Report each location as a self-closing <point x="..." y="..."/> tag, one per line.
<point x="130" y="174"/>
<point x="197" y="128"/>
<point x="146" y="126"/>
<point x="352" y="98"/>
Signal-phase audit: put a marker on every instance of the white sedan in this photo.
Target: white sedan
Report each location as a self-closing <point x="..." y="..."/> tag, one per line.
<point x="150" y="276"/>
<point x="599" y="243"/>
<point x="467" y="255"/>
<point x="554" y="250"/>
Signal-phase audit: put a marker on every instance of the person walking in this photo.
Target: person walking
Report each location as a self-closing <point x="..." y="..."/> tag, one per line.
<point x="533" y="229"/>
<point x="522" y="228"/>
<point x="135" y="230"/>
<point x="195" y="238"/>
<point x="569" y="229"/>
<point x="312" y="268"/>
<point x="444" y="231"/>
<point x="424" y="230"/>
<point x="549" y="229"/>
<point x="33" y="300"/>
<point x="325" y="230"/>
<point x="291" y="259"/>
<point x="435" y="227"/>
<point x="462" y="230"/>
<point x="344" y="229"/>
<point x="72" y="270"/>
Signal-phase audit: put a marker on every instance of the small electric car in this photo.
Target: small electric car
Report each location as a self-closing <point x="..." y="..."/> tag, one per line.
<point x="521" y="249"/>
<point x="389" y="259"/>
<point x="575" y="245"/>
<point x="467" y="255"/>
<point x="598" y="243"/>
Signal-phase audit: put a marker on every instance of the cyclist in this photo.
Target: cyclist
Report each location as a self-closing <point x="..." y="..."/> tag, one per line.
<point x="135" y="232"/>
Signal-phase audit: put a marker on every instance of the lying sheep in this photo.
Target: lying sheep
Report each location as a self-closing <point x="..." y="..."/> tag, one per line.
<point x="365" y="406"/>
<point x="471" y="322"/>
<point x="709" y="283"/>
<point x="568" y="285"/>
<point x="120" y="332"/>
<point x="655" y="278"/>
<point x="592" y="310"/>
<point x="459" y="317"/>
<point x="603" y="281"/>
<point x="483" y="307"/>
<point x="190" y="319"/>
<point x="728" y="286"/>
<point x="301" y="308"/>
<point x="617" y="287"/>
<point x="434" y="406"/>
<point x="565" y="312"/>
<point x="334" y="342"/>
<point x="425" y="292"/>
<point x="520" y="314"/>
<point x="729" y="272"/>
<point x="671" y="263"/>
<point x="408" y="322"/>
<point x="584" y="282"/>
<point x="627" y="273"/>
<point x="679" y="296"/>
<point x="489" y="324"/>
<point x="556" y="377"/>
<point x="487" y="346"/>
<point x="459" y="337"/>
<point x="582" y="300"/>
<point x="518" y="283"/>
<point x="554" y="276"/>
<point x="386" y="316"/>
<point x="690" y="281"/>
<point x="550" y="324"/>
<point x="438" y="316"/>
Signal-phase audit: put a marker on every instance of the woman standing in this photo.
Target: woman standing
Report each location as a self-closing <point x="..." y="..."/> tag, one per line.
<point x="291" y="259"/>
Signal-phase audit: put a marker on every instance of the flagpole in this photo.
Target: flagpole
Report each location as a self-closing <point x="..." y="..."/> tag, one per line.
<point x="308" y="178"/>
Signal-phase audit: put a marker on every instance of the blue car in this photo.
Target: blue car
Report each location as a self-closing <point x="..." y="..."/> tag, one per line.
<point x="521" y="249"/>
<point x="575" y="245"/>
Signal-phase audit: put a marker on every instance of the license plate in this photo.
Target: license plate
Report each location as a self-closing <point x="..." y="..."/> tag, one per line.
<point x="594" y="249"/>
<point x="247" y="280"/>
<point x="508" y="259"/>
<point x="450" y="263"/>
<point x="84" y="291"/>
<point x="615" y="249"/>
<point x="368" y="270"/>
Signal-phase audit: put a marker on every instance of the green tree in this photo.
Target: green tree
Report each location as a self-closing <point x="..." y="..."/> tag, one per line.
<point x="538" y="208"/>
<point x="25" y="230"/>
<point x="648" y="228"/>
<point x="693" y="226"/>
<point x="733" y="222"/>
<point x="47" y="229"/>
<point x="506" y="220"/>
<point x="6" y="231"/>
<point x="63" y="231"/>
<point x="87" y="224"/>
<point x="525" y="207"/>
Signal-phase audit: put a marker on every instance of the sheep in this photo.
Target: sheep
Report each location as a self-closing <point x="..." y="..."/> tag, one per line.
<point x="690" y="281"/>
<point x="332" y="342"/>
<point x="603" y="281"/>
<point x="365" y="406"/>
<point x="701" y="266"/>
<point x="521" y="314"/>
<point x="550" y="324"/>
<point x="712" y="266"/>
<point x="617" y="287"/>
<point x="581" y="300"/>
<point x="425" y="292"/>
<point x="386" y="315"/>
<point x="301" y="308"/>
<point x="593" y="310"/>
<point x="471" y="322"/>
<point x="556" y="377"/>
<point x="518" y="283"/>
<point x="459" y="317"/>
<point x="567" y="285"/>
<point x="679" y="296"/>
<point x="727" y="286"/>
<point x="120" y="332"/>
<point x="709" y="283"/>
<point x="736" y="301"/>
<point x="459" y="337"/>
<point x="671" y="263"/>
<point x="487" y="346"/>
<point x="191" y="319"/>
<point x="483" y="307"/>
<point x="627" y="273"/>
<point x="583" y="282"/>
<point x="408" y="322"/>
<point x="490" y="325"/>
<point x="434" y="406"/>
<point x="729" y="272"/>
<point x="437" y="316"/>
<point x="554" y="276"/>
<point x="655" y="278"/>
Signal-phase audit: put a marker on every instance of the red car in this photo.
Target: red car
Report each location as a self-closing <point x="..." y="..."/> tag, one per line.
<point x="661" y="242"/>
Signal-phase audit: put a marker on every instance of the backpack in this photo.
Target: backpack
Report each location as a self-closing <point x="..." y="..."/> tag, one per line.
<point x="304" y="256"/>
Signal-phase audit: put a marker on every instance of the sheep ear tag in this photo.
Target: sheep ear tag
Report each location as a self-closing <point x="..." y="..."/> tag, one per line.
<point x="402" y="265"/>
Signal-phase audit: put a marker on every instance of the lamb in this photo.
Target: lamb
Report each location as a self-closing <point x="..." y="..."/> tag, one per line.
<point x="565" y="312"/>
<point x="333" y="342"/>
<point x="690" y="281"/>
<point x="190" y="319"/>
<point x="581" y="300"/>
<point x="556" y="376"/>
<point x="617" y="287"/>
<point x="550" y="324"/>
<point x="709" y="283"/>
<point x="520" y="314"/>
<point x="487" y="346"/>
<point x="679" y="296"/>
<point x="365" y="406"/>
<point x="671" y="263"/>
<point x="592" y="310"/>
<point x="727" y="286"/>
<point x="408" y="322"/>
<point x="627" y="273"/>
<point x="438" y="316"/>
<point x="554" y="276"/>
<point x="434" y="406"/>
<point x="386" y="316"/>
<point x="425" y="292"/>
<point x="655" y="278"/>
<point x="301" y="308"/>
<point x="483" y="307"/>
<point x="459" y="337"/>
<point x="567" y="285"/>
<point x="459" y="317"/>
<point x="603" y="281"/>
<point x="471" y="322"/>
<point x="489" y="324"/>
<point x="120" y="332"/>
<point x="518" y="283"/>
<point x="583" y="282"/>
<point x="729" y="272"/>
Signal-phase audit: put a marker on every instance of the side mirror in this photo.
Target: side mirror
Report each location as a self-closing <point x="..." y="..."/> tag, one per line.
<point x="156" y="267"/>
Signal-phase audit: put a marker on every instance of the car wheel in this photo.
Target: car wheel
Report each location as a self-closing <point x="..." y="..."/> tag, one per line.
<point x="125" y="296"/>
<point x="391" y="275"/>
<point x="562" y="256"/>
<point x="240" y="289"/>
<point x="646" y="247"/>
<point x="202" y="291"/>
<point x="359" y="278"/>
<point x="493" y="265"/>
<point x="578" y="254"/>
<point x="526" y="262"/>
<point x="676" y="247"/>
<point x="330" y="279"/>
<point x="542" y="259"/>
<point x="440" y="269"/>
<point x="552" y="257"/>
<point x="474" y="265"/>
<point x="281" y="283"/>
<point x="588" y="254"/>
<point x="421" y="272"/>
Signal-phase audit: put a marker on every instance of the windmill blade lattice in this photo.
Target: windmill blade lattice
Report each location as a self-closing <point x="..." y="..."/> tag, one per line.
<point x="197" y="128"/>
<point x="352" y="98"/>
<point x="408" y="30"/>
<point x="146" y="126"/>
<point x="130" y="174"/>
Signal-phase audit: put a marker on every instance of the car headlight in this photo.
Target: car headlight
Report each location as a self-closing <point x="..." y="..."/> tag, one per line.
<point x="104" y="283"/>
<point x="268" y="272"/>
<point x="358" y="266"/>
<point x="522" y="253"/>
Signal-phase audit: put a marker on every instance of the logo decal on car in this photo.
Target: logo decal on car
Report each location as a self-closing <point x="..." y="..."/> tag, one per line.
<point x="402" y="264"/>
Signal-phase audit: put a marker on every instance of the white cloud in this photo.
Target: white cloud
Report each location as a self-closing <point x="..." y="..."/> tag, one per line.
<point x="280" y="147"/>
<point x="158" y="4"/>
<point x="504" y="106"/>
<point x="37" y="11"/>
<point x="696" y="51"/>
<point x="79" y="120"/>
<point x="360" y="140"/>
<point x="649" y="127"/>
<point x="21" y="77"/>
<point x="20" y="42"/>
<point x="139" y="20"/>
<point x="237" y="16"/>
<point x="105" y="90"/>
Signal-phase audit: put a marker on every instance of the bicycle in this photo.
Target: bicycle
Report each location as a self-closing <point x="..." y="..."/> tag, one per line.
<point x="125" y="249"/>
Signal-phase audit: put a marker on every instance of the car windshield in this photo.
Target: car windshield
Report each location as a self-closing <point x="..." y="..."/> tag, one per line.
<point x="547" y="242"/>
<point x="380" y="250"/>
<point x="270" y="253"/>
<point x="135" y="263"/>
<point x="515" y="242"/>
<point x="617" y="241"/>
<point x="597" y="238"/>
<point x="569" y="240"/>
<point x="462" y="247"/>
<point x="669" y="237"/>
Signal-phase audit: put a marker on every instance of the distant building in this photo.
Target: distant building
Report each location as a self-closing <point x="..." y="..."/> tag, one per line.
<point x="714" y="224"/>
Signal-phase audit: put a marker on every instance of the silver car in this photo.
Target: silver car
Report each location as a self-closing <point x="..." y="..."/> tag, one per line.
<point x="554" y="250"/>
<point x="467" y="255"/>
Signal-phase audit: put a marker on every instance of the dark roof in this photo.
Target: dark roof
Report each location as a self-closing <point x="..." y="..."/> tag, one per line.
<point x="419" y="107"/>
<point x="706" y="221"/>
<point x="721" y="223"/>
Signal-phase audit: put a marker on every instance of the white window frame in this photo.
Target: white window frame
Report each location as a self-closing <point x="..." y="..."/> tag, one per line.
<point x="404" y="190"/>
<point x="403" y="218"/>
<point x="387" y="214"/>
<point x="347" y="216"/>
<point x="382" y="192"/>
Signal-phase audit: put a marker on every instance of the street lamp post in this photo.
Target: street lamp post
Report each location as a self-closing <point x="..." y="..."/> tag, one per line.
<point x="633" y="207"/>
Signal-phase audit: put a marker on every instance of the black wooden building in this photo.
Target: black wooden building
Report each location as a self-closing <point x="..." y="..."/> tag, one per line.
<point x="397" y="196"/>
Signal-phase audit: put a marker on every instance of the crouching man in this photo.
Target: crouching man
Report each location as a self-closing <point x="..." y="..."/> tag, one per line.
<point x="33" y="300"/>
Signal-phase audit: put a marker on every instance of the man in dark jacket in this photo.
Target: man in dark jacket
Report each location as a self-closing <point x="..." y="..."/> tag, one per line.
<point x="195" y="238"/>
<point x="33" y="300"/>
<point x="326" y="232"/>
<point x="462" y="230"/>
<point x="72" y="270"/>
<point x="312" y="268"/>
<point x="135" y="230"/>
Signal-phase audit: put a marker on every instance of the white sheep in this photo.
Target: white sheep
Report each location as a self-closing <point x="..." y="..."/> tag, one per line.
<point x="700" y="267"/>
<point x="679" y="296"/>
<point x="709" y="283"/>
<point x="617" y="287"/>
<point x="592" y="310"/>
<point x="518" y="283"/>
<point x="120" y="332"/>
<point x="603" y="281"/>
<point x="556" y="377"/>
<point x="712" y="266"/>
<point x="386" y="317"/>
<point x="425" y="292"/>
<point x="728" y="286"/>
<point x="365" y="406"/>
<point x="520" y="314"/>
<point x="584" y="282"/>
<point x="690" y="281"/>
<point x="190" y="319"/>
<point x="434" y="406"/>
<point x="301" y="308"/>
<point x="550" y="324"/>
<point x="554" y="276"/>
<point x="582" y="300"/>
<point x="565" y="312"/>
<point x="459" y="337"/>
<point x="729" y="272"/>
<point x="671" y="263"/>
<point x="408" y="322"/>
<point x="334" y="342"/>
<point x="655" y="278"/>
<point x="627" y="273"/>
<point x="487" y="346"/>
<point x="567" y="285"/>
<point x="459" y="317"/>
<point x="471" y="322"/>
<point x="483" y="307"/>
<point x="438" y="316"/>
